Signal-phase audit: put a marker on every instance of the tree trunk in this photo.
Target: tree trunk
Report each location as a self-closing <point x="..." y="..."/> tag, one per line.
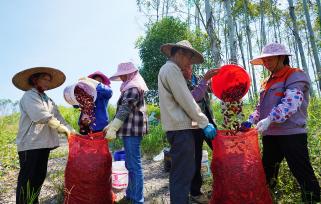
<point x="167" y="7"/>
<point x="163" y="9"/>
<point x="249" y="41"/>
<point x="240" y="42"/>
<point x="188" y="13"/>
<point x="197" y="14"/>
<point x="214" y="41"/>
<point x="157" y="9"/>
<point x="262" y="30"/>
<point x="273" y="21"/>
<point x="319" y="13"/>
<point x="299" y="41"/>
<point x="295" y="51"/>
<point x="312" y="41"/>
<point x="231" y="32"/>
<point x="309" y="54"/>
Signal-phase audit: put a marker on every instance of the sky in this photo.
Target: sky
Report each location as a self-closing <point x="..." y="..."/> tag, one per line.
<point x="78" y="37"/>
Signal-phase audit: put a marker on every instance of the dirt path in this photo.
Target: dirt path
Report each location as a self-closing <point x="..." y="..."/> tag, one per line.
<point x="155" y="181"/>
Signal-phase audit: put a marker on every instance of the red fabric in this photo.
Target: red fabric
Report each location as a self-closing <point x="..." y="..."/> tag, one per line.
<point x="230" y="76"/>
<point x="88" y="170"/>
<point x="237" y="169"/>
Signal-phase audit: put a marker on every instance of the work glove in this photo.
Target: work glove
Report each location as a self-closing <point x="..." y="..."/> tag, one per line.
<point x="245" y="126"/>
<point x="54" y="123"/>
<point x="111" y="129"/>
<point x="64" y="130"/>
<point x="209" y="131"/>
<point x="263" y="124"/>
<point x="90" y="80"/>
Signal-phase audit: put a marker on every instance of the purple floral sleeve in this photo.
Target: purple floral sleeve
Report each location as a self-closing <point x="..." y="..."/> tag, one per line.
<point x="254" y="117"/>
<point x="199" y="91"/>
<point x="289" y="105"/>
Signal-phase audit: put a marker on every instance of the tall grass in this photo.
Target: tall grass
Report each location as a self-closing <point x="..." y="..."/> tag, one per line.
<point x="8" y="149"/>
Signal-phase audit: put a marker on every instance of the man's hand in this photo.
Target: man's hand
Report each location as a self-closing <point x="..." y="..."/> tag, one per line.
<point x="209" y="131"/>
<point x="210" y="73"/>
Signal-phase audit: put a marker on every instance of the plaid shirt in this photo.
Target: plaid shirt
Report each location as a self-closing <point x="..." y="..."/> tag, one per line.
<point x="132" y="110"/>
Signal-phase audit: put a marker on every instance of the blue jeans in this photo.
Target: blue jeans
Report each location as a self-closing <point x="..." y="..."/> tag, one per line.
<point x="133" y="162"/>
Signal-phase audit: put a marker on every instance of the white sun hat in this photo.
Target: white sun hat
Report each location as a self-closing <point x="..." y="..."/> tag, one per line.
<point x="272" y="49"/>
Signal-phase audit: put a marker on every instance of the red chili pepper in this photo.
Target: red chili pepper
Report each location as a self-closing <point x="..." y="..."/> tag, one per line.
<point x="87" y="105"/>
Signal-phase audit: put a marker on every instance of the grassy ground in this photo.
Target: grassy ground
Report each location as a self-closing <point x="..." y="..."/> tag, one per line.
<point x="154" y="142"/>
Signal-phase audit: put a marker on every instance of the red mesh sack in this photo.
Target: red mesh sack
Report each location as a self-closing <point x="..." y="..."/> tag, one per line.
<point x="237" y="169"/>
<point x="88" y="170"/>
<point x="231" y="83"/>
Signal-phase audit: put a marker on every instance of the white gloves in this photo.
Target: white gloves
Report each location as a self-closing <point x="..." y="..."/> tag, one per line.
<point x="55" y="124"/>
<point x="263" y="124"/>
<point x="111" y="129"/>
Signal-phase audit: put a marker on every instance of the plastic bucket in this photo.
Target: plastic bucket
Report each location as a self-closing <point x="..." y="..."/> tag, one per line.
<point x="119" y="175"/>
<point x="69" y="92"/>
<point x="205" y="167"/>
<point x="119" y="155"/>
<point x="231" y="77"/>
<point x="167" y="160"/>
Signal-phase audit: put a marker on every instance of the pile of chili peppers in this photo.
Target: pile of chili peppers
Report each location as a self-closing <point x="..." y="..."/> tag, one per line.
<point x="232" y="107"/>
<point x="86" y="105"/>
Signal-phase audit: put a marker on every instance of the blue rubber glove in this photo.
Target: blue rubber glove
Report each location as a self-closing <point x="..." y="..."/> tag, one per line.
<point x="210" y="131"/>
<point x="245" y="126"/>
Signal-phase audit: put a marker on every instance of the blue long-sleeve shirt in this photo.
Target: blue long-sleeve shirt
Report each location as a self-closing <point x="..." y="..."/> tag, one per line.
<point x="104" y="93"/>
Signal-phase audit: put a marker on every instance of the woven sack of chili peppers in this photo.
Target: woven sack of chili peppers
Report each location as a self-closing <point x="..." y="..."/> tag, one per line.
<point x="237" y="169"/>
<point x="88" y="170"/>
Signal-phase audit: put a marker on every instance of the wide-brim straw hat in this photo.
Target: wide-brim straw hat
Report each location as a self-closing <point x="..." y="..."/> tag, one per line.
<point x="272" y="49"/>
<point x="21" y="79"/>
<point x="105" y="79"/>
<point x="123" y="69"/>
<point x="185" y="44"/>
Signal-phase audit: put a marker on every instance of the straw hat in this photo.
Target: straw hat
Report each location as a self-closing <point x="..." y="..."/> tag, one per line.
<point x="21" y="79"/>
<point x="123" y="69"/>
<point x="167" y="48"/>
<point x="272" y="49"/>
<point x="102" y="76"/>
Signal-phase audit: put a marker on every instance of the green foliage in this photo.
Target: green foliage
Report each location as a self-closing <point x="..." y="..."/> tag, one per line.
<point x="153" y="108"/>
<point x="154" y="141"/>
<point x="8" y="149"/>
<point x="71" y="116"/>
<point x="168" y="30"/>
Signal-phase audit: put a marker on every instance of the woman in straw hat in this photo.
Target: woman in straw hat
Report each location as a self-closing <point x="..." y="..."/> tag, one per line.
<point x="179" y="115"/>
<point x="39" y="126"/>
<point x="130" y="123"/>
<point x="281" y="117"/>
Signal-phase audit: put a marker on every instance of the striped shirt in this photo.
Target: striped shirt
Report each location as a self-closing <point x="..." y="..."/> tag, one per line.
<point x="132" y="110"/>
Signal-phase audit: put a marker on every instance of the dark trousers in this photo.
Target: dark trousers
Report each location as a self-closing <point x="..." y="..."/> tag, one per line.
<point x="33" y="170"/>
<point x="294" y="149"/>
<point x="197" y="181"/>
<point x="183" y="165"/>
